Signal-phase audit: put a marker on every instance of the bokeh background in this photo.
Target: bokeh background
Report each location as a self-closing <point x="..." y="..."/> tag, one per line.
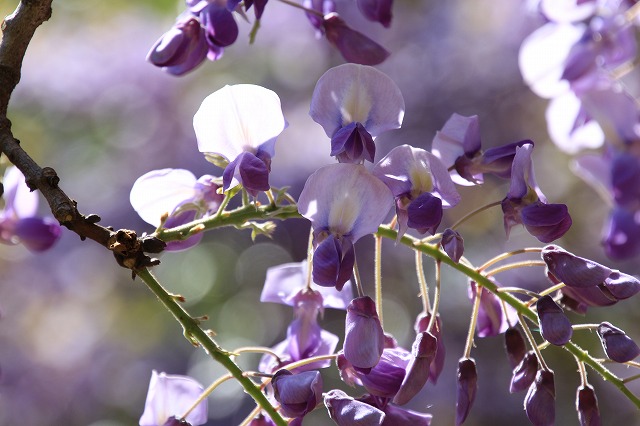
<point x="79" y="338"/>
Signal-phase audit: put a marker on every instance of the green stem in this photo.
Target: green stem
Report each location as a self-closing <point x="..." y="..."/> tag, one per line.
<point x="378" y="276"/>
<point x="472" y="324"/>
<point x="235" y="217"/>
<point x="475" y="212"/>
<point x="196" y="335"/>
<point x="424" y="288"/>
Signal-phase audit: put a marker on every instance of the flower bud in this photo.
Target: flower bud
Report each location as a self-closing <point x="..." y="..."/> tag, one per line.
<point x="525" y="373"/>
<point x="467" y="387"/>
<point x="540" y="402"/>
<point x="441" y="353"/>
<point x="515" y="345"/>
<point x="554" y="324"/>
<point x="587" y="407"/>
<point x="353" y="45"/>
<point x="453" y="244"/>
<point x="573" y="270"/>
<point x="618" y="346"/>
<point x="364" y="338"/>
<point x="297" y="394"/>
<point x="423" y="353"/>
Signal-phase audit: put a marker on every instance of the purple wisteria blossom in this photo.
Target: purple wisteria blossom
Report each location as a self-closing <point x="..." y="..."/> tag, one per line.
<point x="19" y="223"/>
<point x="526" y="204"/>
<point x="458" y="145"/>
<point x="202" y="31"/>
<point x="344" y="202"/>
<point x="617" y="345"/>
<point x="286" y="284"/>
<point x="169" y="397"/>
<point x="240" y="123"/>
<point x="421" y="325"/>
<point x="467" y="382"/>
<point x="364" y="339"/>
<point x="299" y="393"/>
<point x="587" y="406"/>
<point x="347" y="411"/>
<point x="354" y="104"/>
<point x="570" y="60"/>
<point x="540" y="401"/>
<point x="492" y="320"/>
<point x="179" y="194"/>
<point x="421" y="186"/>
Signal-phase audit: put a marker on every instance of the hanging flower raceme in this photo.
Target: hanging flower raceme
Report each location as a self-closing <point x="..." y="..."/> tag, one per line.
<point x="421" y="186"/>
<point x="344" y="202"/>
<point x="354" y="104"/>
<point x="526" y="204"/>
<point x="169" y="397"/>
<point x="19" y="223"/>
<point x="286" y="284"/>
<point x="587" y="283"/>
<point x="179" y="194"/>
<point x="458" y="145"/>
<point x="237" y="127"/>
<point x="202" y="31"/>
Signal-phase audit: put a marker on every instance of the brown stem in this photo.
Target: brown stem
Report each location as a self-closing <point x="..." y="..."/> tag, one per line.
<point x="17" y="31"/>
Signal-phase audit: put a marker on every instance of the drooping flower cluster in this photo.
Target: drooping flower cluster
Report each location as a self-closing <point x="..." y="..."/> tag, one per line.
<point x="19" y="222"/>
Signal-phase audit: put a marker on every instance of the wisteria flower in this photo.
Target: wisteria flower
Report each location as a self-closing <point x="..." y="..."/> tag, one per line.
<point x="287" y="284"/>
<point x="170" y="396"/>
<point x="202" y="31"/>
<point x="354" y="104"/>
<point x="421" y="186"/>
<point x="344" y="202"/>
<point x="526" y="204"/>
<point x="240" y="123"/>
<point x="19" y="223"/>
<point x="298" y="393"/>
<point x="178" y="193"/>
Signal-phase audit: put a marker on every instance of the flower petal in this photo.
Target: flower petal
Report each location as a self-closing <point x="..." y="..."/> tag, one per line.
<point x="161" y="191"/>
<point x="238" y="118"/>
<point x="352" y="93"/>
<point x="172" y="395"/>
<point x="19" y="199"/>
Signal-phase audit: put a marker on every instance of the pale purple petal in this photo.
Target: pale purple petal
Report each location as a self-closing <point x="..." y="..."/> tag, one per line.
<point x="340" y="197"/>
<point x="19" y="200"/>
<point x="542" y="57"/>
<point x="595" y="170"/>
<point x="522" y="173"/>
<point x="352" y="93"/>
<point x="239" y="118"/>
<point x="172" y="395"/>
<point x="460" y="135"/>
<point x="570" y="126"/>
<point x="408" y="169"/>
<point x="161" y="191"/>
<point x="284" y="281"/>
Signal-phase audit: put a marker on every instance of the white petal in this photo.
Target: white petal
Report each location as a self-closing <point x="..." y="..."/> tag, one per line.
<point x="161" y="191"/>
<point x="568" y="10"/>
<point x="19" y="199"/>
<point x="568" y="134"/>
<point x="238" y="118"/>
<point x="542" y="57"/>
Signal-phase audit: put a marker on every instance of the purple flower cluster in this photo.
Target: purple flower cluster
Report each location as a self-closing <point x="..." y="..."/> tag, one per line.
<point x="202" y="31"/>
<point x="574" y="61"/>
